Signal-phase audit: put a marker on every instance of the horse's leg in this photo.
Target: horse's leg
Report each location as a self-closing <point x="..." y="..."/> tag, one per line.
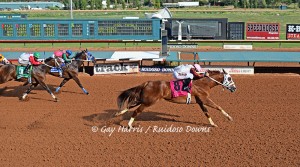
<point x="135" y="114"/>
<point x="126" y="109"/>
<point x="79" y="84"/>
<point x="62" y="84"/>
<point x="29" y="89"/>
<point x="121" y="112"/>
<point x="204" y="109"/>
<point x="211" y="104"/>
<point x="43" y="84"/>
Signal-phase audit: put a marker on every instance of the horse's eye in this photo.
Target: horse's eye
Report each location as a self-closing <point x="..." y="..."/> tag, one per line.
<point x="229" y="78"/>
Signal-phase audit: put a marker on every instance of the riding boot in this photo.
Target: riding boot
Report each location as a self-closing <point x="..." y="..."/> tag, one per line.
<point x="29" y="79"/>
<point x="26" y="70"/>
<point x="185" y="85"/>
<point x="60" y="72"/>
<point x="188" y="98"/>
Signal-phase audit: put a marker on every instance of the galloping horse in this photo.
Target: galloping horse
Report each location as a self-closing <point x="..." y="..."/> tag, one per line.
<point x="150" y="92"/>
<point x="70" y="71"/>
<point x="8" y="72"/>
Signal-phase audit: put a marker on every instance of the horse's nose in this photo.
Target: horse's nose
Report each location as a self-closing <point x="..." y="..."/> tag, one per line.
<point x="233" y="89"/>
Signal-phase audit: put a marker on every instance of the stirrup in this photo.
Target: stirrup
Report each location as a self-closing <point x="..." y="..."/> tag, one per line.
<point x="188" y="98"/>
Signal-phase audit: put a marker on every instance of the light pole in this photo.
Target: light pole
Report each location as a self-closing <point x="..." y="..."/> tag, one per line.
<point x="179" y="30"/>
<point x="71" y="8"/>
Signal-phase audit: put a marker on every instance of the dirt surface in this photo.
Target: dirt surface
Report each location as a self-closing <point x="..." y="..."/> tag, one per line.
<point x="41" y="132"/>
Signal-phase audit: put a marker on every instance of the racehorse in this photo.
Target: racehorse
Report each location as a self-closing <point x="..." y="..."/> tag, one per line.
<point x="150" y="92"/>
<point x="8" y="72"/>
<point x="70" y="71"/>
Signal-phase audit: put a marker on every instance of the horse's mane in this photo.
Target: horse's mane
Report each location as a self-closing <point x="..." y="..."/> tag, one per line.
<point x="78" y="54"/>
<point x="214" y="72"/>
<point x="48" y="59"/>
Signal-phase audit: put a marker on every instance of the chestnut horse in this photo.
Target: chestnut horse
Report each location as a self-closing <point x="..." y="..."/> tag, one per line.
<point x="70" y="71"/>
<point x="8" y="72"/>
<point x="150" y="92"/>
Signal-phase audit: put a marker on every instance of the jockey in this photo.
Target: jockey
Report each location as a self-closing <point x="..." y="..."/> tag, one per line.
<point x="33" y="60"/>
<point x="66" y="56"/>
<point x="3" y="60"/>
<point x="186" y="71"/>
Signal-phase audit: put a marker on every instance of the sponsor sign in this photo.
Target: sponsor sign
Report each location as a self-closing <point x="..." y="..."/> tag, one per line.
<point x="238" y="47"/>
<point x="158" y="69"/>
<point x="116" y="68"/>
<point x="188" y="46"/>
<point x="228" y="69"/>
<point x="262" y="31"/>
<point x="293" y="31"/>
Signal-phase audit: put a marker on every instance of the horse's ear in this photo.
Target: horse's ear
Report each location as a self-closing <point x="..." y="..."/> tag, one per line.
<point x="224" y="71"/>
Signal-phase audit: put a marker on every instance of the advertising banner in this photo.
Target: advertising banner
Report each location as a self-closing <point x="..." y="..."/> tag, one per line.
<point x="116" y="68"/>
<point x="262" y="31"/>
<point x="293" y="31"/>
<point x="228" y="69"/>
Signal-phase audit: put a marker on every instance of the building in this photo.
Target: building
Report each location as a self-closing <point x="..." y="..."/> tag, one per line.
<point x="29" y="5"/>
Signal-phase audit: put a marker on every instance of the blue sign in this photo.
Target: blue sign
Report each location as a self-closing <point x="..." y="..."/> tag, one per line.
<point x="158" y="69"/>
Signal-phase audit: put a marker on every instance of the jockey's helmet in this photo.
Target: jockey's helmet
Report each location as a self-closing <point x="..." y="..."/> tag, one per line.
<point x="69" y="52"/>
<point x="36" y="55"/>
<point x="1" y="57"/>
<point x="198" y="67"/>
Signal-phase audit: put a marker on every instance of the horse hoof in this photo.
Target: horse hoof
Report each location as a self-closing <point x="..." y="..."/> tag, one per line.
<point x="56" y="100"/>
<point x="25" y="99"/>
<point x="230" y="118"/>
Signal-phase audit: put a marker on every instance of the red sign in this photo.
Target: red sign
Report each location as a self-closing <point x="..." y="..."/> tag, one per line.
<point x="262" y="31"/>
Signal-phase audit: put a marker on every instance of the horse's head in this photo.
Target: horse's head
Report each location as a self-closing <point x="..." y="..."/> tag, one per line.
<point x="228" y="82"/>
<point x="85" y="55"/>
<point x="224" y="79"/>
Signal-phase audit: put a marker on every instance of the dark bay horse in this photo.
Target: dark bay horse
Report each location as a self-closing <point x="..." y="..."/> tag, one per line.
<point x="150" y="92"/>
<point x="70" y="71"/>
<point x="8" y="72"/>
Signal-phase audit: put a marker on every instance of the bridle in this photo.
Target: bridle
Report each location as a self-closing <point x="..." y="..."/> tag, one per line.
<point x="227" y="81"/>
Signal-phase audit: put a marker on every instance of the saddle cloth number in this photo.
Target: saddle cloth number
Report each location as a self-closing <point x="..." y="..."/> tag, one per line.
<point x="178" y="87"/>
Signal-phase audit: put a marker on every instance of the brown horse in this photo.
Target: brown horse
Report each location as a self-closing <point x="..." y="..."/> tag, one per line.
<point x="71" y="70"/>
<point x="150" y="92"/>
<point x="8" y="72"/>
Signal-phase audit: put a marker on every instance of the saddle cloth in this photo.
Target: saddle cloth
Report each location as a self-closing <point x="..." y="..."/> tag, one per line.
<point x="55" y="69"/>
<point x="20" y="72"/>
<point x="181" y="87"/>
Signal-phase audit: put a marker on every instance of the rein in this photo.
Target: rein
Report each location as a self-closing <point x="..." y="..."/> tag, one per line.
<point x="82" y="60"/>
<point x="48" y="65"/>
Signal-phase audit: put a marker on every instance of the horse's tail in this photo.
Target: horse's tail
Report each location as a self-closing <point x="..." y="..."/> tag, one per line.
<point x="132" y="96"/>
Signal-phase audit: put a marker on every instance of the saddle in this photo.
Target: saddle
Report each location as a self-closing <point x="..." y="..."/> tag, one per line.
<point x="181" y="88"/>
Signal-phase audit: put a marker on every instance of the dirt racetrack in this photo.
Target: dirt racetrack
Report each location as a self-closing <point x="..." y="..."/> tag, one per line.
<point x="41" y="132"/>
